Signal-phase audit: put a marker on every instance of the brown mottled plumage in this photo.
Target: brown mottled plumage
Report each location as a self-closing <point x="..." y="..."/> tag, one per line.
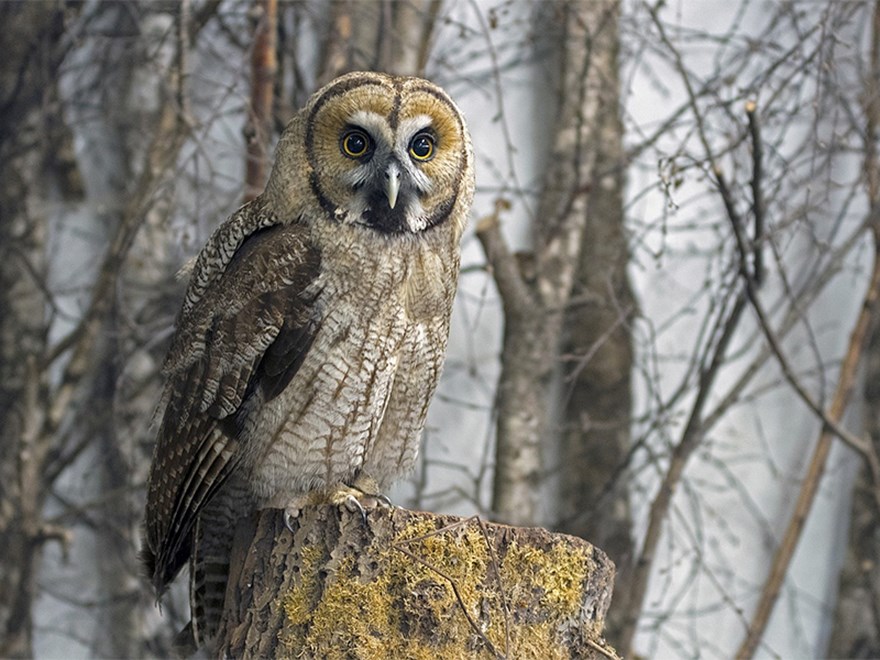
<point x="314" y="328"/>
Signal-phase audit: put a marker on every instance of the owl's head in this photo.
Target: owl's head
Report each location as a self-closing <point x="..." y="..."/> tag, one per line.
<point x="391" y="154"/>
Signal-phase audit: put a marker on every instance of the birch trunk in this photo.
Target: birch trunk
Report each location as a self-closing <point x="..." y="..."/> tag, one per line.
<point x="535" y="304"/>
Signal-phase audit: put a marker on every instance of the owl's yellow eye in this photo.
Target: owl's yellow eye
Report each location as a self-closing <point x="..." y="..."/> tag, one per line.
<point x="355" y="144"/>
<point x="422" y="147"/>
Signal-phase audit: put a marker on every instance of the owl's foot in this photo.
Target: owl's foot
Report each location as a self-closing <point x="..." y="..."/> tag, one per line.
<point x="292" y="510"/>
<point x="293" y="507"/>
<point x="358" y="500"/>
<point x="360" y="497"/>
<point x="369" y="489"/>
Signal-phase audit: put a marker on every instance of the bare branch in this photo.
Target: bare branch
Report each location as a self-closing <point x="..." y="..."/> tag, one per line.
<point x="515" y="294"/>
<point x="758" y="208"/>
<point x="263" y="68"/>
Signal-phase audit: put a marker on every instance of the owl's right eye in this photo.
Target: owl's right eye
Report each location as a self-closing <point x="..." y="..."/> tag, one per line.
<point x="355" y="144"/>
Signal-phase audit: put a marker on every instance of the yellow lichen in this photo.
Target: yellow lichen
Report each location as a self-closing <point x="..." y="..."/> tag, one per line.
<point x="559" y="572"/>
<point x="299" y="602"/>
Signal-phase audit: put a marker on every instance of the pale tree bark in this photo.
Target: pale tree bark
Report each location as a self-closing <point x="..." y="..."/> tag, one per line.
<point x="856" y="627"/>
<point x="536" y="301"/>
<point x="263" y="68"/>
<point x="389" y="35"/>
<point x="119" y="589"/>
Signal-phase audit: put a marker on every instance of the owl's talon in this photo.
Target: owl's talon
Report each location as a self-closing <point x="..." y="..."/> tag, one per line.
<point x="290" y="515"/>
<point x="354" y="500"/>
<point x="354" y="505"/>
<point x="369" y="492"/>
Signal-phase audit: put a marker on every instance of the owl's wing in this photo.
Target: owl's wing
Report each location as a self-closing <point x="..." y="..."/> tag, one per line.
<point x="238" y="345"/>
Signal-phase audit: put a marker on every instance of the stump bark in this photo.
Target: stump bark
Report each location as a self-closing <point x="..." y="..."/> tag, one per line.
<point x="410" y="584"/>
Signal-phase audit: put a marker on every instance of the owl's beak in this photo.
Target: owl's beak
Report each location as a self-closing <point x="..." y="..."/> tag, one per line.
<point x="392" y="183"/>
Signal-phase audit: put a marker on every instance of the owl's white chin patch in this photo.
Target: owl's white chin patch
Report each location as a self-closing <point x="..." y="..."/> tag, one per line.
<point x="416" y="223"/>
<point x="416" y="218"/>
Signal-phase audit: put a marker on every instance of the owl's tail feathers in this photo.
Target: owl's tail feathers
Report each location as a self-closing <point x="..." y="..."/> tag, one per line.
<point x="208" y="576"/>
<point x="209" y="557"/>
<point x="188" y="642"/>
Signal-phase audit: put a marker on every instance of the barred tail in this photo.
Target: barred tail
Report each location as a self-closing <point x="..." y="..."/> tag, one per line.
<point x="208" y="574"/>
<point x="213" y="535"/>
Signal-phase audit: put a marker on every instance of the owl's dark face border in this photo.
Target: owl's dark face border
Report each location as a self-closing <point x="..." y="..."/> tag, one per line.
<point x="392" y="111"/>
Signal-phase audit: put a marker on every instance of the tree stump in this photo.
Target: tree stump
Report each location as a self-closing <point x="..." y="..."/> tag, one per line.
<point x="409" y="584"/>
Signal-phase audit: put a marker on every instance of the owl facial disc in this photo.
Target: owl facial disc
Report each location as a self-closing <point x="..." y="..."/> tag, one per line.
<point x="387" y="154"/>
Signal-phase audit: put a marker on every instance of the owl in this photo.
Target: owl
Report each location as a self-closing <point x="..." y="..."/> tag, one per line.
<point x="313" y="329"/>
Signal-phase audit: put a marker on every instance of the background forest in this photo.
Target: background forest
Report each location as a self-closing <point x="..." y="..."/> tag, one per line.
<point x="665" y="337"/>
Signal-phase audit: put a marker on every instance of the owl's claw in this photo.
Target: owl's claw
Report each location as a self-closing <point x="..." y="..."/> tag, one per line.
<point x="354" y="505"/>
<point x="370" y="495"/>
<point x="351" y="499"/>
<point x="291" y="513"/>
<point x="357" y="500"/>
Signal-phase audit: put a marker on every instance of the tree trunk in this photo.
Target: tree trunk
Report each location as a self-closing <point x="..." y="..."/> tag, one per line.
<point x="536" y="303"/>
<point x="391" y="36"/>
<point x="409" y="584"/>
<point x="264" y="65"/>
<point x="597" y="351"/>
<point x="856" y="625"/>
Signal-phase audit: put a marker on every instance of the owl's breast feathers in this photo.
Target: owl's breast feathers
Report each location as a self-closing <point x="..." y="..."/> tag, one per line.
<point x="239" y="342"/>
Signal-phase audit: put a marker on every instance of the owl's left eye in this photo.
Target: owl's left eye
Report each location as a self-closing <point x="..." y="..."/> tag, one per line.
<point x="422" y="147"/>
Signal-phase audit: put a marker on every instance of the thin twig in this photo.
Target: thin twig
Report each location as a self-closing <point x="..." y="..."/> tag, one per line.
<point x="607" y="651"/>
<point x="496" y="568"/>
<point x="263" y="68"/>
<point x="758" y="210"/>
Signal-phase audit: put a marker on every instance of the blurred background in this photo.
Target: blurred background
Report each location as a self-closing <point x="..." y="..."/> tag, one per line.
<point x="664" y="339"/>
